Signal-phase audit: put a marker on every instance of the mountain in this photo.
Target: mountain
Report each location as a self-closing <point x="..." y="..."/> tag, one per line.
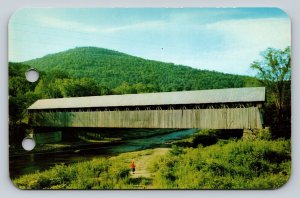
<point x="112" y="69"/>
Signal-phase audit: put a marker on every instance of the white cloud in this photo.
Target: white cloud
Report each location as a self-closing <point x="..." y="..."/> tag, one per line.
<point x="137" y="26"/>
<point x="81" y="27"/>
<point x="243" y="41"/>
<point x="67" y="25"/>
<point x="257" y="33"/>
<point x="247" y="39"/>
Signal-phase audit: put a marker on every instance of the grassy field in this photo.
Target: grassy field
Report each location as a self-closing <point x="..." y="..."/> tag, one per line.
<point x="228" y="164"/>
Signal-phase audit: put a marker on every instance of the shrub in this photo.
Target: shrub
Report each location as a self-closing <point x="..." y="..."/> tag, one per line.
<point x="228" y="165"/>
<point x="264" y="134"/>
<point x="99" y="173"/>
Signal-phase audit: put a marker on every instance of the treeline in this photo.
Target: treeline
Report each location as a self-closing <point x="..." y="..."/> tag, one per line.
<point x="21" y="96"/>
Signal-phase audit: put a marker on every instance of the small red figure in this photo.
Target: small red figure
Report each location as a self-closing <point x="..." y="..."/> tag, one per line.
<point x="132" y="166"/>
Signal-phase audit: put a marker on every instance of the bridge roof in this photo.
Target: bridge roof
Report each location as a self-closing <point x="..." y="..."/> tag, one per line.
<point x="232" y="95"/>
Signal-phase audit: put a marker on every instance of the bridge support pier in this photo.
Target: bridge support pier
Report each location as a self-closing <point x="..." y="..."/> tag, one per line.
<point x="248" y="134"/>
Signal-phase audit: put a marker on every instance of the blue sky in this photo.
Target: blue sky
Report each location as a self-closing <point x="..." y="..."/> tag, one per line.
<point x="220" y="39"/>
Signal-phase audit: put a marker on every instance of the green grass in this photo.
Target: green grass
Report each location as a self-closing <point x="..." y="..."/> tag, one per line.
<point x="258" y="164"/>
<point x="229" y="164"/>
<point x="100" y="173"/>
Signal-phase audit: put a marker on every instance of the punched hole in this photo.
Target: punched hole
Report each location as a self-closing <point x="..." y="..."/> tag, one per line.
<point x="28" y="144"/>
<point x="32" y="75"/>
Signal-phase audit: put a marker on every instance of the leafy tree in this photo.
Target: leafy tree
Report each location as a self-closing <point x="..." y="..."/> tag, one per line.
<point x="77" y="87"/>
<point x="104" y="89"/>
<point x="124" y="88"/>
<point x="19" y="85"/>
<point x="48" y="89"/>
<point x="274" y="71"/>
<point x="21" y="96"/>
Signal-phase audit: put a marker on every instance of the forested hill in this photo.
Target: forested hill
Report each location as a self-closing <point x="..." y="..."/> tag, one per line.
<point x="122" y="73"/>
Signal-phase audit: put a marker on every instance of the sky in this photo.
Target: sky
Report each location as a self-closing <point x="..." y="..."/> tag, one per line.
<point x="221" y="39"/>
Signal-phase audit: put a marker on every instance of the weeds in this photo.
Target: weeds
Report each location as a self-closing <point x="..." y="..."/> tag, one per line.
<point x="258" y="164"/>
<point x="229" y="164"/>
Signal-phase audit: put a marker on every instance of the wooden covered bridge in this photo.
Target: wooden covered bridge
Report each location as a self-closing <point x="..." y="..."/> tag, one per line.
<point x="235" y="108"/>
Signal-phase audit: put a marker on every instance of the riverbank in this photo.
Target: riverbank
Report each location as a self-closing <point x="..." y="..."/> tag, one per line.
<point x="25" y="162"/>
<point x="91" y="139"/>
<point x="98" y="173"/>
<point x="228" y="164"/>
<point x="63" y="147"/>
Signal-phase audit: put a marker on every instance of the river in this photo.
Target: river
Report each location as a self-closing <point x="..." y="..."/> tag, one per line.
<point x="29" y="163"/>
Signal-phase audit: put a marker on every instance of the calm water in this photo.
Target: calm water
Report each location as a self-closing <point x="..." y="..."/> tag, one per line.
<point x="24" y="164"/>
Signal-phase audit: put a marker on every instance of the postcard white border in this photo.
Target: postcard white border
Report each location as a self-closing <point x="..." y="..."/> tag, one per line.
<point x="291" y="7"/>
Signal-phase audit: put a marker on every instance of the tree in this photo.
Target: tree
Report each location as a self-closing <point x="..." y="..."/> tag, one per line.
<point x="77" y="87"/>
<point x="274" y="71"/>
<point x="124" y="88"/>
<point x="47" y="89"/>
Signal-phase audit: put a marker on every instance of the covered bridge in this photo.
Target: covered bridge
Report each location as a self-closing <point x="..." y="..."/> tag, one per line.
<point x="235" y="108"/>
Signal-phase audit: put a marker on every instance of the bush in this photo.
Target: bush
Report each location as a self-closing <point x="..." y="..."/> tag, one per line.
<point x="228" y="165"/>
<point x="264" y="134"/>
<point x="99" y="173"/>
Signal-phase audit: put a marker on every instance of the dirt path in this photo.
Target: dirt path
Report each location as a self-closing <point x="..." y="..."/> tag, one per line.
<point x="142" y="163"/>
